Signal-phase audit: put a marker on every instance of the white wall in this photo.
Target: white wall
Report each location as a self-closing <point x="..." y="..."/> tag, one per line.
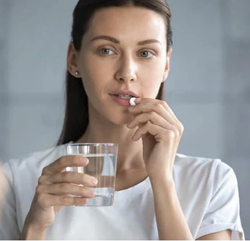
<point x="208" y="87"/>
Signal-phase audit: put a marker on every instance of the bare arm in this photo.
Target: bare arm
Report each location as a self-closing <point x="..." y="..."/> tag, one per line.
<point x="31" y="233"/>
<point x="170" y="219"/>
<point x="223" y="235"/>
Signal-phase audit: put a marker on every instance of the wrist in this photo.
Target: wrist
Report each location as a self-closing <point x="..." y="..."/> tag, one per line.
<point x="161" y="176"/>
<point x="164" y="181"/>
<point x="32" y="232"/>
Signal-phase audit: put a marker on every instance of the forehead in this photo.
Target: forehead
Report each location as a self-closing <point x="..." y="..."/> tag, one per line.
<point x="128" y="23"/>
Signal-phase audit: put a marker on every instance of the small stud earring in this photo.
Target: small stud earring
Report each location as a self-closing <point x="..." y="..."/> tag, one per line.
<point x="76" y="73"/>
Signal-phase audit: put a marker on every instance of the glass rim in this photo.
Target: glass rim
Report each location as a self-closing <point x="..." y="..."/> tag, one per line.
<point x="92" y="144"/>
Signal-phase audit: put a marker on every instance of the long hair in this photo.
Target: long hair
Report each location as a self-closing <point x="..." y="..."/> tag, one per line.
<point x="76" y="117"/>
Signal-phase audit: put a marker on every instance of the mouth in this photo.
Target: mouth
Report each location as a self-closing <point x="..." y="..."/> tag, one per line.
<point x="126" y="97"/>
<point x="122" y="100"/>
<point x="122" y="97"/>
<point x="125" y="94"/>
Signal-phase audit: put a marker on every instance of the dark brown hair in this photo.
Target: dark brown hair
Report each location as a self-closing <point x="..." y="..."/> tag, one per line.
<point x="76" y="114"/>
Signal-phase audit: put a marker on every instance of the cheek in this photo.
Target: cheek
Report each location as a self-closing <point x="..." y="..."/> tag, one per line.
<point x="151" y="79"/>
<point x="89" y="84"/>
<point x="151" y="89"/>
<point x="90" y="73"/>
<point x="95" y="70"/>
<point x="94" y="80"/>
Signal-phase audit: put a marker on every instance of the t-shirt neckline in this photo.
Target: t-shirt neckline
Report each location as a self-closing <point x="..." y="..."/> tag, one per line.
<point x="134" y="190"/>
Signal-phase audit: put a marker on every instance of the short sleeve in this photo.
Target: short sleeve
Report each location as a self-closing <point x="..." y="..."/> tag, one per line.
<point x="223" y="211"/>
<point x="8" y="221"/>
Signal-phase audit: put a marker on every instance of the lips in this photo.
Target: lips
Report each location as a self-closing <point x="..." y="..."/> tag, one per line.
<point x="120" y="101"/>
<point x="125" y="92"/>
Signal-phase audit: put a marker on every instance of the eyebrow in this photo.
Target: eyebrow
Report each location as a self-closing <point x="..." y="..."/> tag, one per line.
<point x="116" y="41"/>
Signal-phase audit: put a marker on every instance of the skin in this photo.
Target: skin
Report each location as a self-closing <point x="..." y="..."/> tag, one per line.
<point x="150" y="130"/>
<point x="2" y="187"/>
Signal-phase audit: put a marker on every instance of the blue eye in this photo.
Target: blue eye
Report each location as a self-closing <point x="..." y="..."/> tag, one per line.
<point x="105" y="51"/>
<point x="146" y="54"/>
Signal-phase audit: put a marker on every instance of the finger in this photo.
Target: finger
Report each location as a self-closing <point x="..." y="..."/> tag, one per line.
<point x="146" y="106"/>
<point x="46" y="200"/>
<point x="149" y="117"/>
<point x="68" y="177"/>
<point x="65" y="188"/>
<point x="160" y="134"/>
<point x="65" y="161"/>
<point x="162" y="102"/>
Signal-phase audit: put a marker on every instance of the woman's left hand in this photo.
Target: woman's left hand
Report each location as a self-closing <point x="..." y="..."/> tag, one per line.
<point x="161" y="133"/>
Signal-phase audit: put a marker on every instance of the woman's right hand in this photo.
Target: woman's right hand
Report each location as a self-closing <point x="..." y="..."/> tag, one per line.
<point x="54" y="189"/>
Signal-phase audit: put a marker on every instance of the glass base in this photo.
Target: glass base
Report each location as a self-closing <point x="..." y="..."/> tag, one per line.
<point x="99" y="200"/>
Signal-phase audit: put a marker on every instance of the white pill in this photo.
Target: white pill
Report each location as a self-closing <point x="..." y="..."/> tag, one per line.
<point x="132" y="101"/>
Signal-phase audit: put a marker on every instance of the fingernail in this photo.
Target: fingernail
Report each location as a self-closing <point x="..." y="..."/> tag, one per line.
<point x="94" y="180"/>
<point x="92" y="192"/>
<point x="85" y="201"/>
<point x="84" y="160"/>
<point x="138" y="100"/>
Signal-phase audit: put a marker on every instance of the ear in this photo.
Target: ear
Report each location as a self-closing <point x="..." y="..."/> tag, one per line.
<point x="71" y="61"/>
<point x="167" y="66"/>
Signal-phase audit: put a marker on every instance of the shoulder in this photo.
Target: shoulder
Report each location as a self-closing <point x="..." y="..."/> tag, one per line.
<point x="195" y="164"/>
<point x="202" y="173"/>
<point x="22" y="174"/>
<point x="34" y="161"/>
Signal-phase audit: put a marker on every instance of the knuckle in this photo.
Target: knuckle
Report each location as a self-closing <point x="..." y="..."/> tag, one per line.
<point x="66" y="176"/>
<point x="176" y="132"/>
<point x="62" y="187"/>
<point x="162" y="102"/>
<point x="171" y="135"/>
<point x="165" y="104"/>
<point x="182" y="128"/>
<point x="179" y="130"/>
<point x="61" y="161"/>
<point x="41" y="179"/>
<point x="41" y="200"/>
<point x="63" y="199"/>
<point x="39" y="189"/>
<point x="158" y="104"/>
<point x="45" y="169"/>
<point x="152" y="115"/>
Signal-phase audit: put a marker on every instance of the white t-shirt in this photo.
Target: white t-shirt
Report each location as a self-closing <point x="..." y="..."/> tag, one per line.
<point x="207" y="190"/>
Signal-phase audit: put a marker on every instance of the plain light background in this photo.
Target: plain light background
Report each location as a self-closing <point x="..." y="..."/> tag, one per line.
<point x="208" y="88"/>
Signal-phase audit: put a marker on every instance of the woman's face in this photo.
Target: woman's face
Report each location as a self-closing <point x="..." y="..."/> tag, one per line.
<point x="122" y="63"/>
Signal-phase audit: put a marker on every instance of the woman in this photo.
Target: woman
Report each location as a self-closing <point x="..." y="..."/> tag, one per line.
<point x="120" y="49"/>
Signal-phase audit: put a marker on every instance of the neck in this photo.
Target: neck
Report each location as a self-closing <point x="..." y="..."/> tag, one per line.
<point x="101" y="130"/>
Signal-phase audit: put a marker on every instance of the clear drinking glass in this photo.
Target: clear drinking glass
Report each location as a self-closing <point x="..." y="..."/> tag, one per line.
<point x="102" y="165"/>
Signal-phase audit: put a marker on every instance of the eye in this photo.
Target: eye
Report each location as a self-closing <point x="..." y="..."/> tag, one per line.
<point x="146" y="54"/>
<point x="105" y="51"/>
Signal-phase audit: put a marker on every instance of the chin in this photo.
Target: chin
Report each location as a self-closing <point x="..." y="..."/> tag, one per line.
<point x="120" y="118"/>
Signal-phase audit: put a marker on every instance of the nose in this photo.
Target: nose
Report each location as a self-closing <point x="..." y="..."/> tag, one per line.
<point x="126" y="70"/>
